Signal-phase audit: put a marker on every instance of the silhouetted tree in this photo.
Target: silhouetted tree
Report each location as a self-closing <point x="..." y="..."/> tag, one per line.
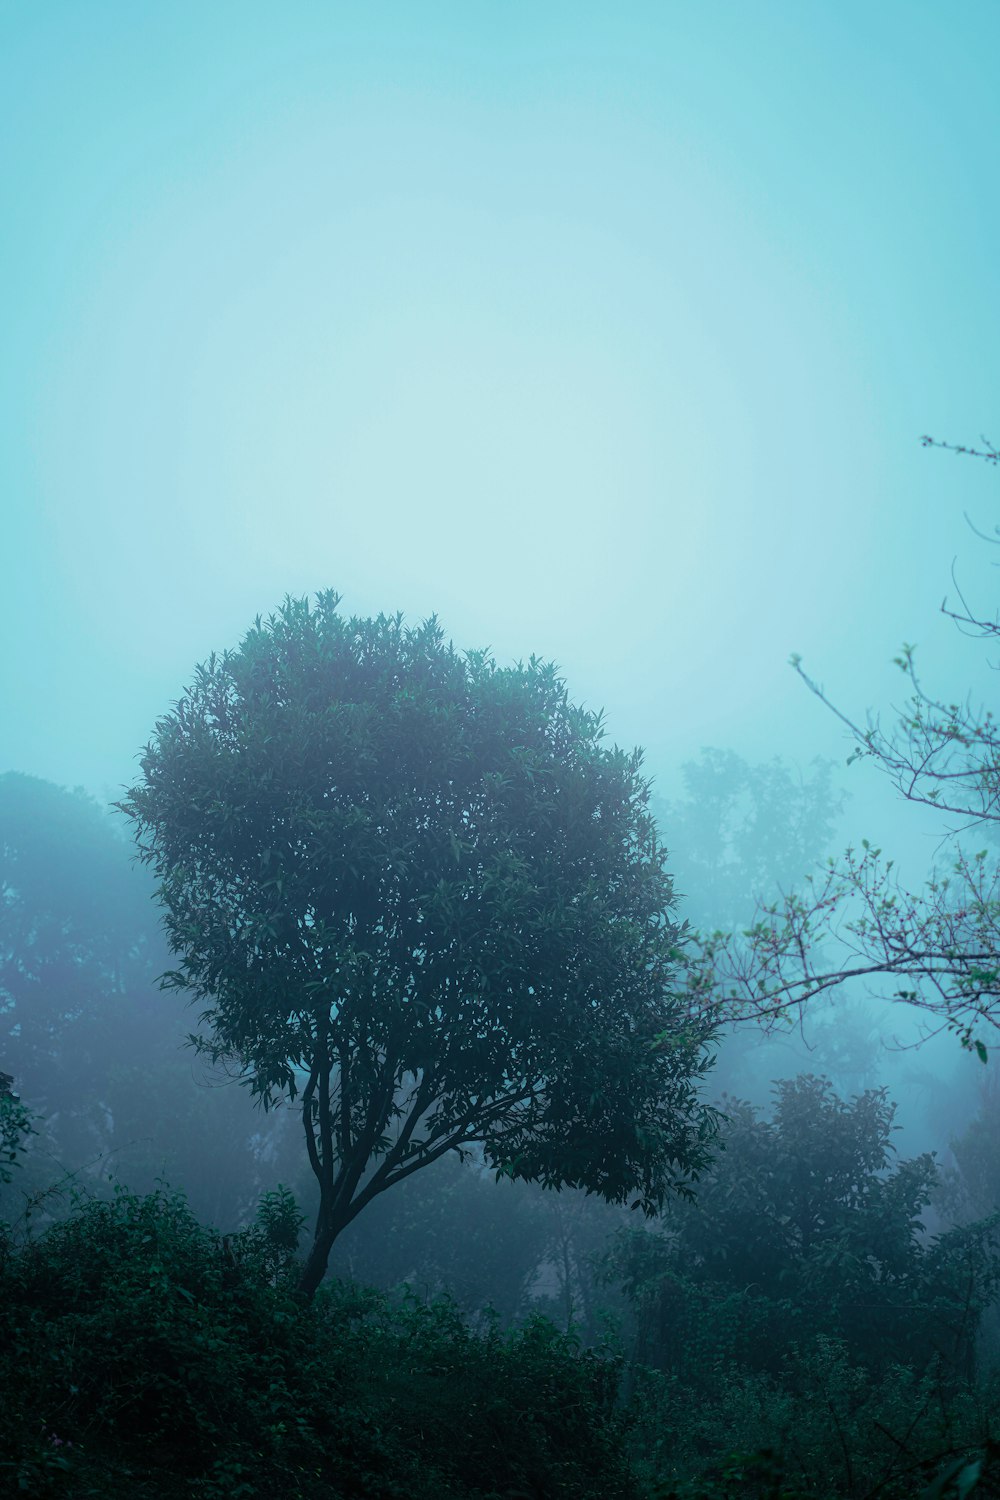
<point x="417" y="892"/>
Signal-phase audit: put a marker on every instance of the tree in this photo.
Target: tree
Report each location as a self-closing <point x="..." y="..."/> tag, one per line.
<point x="741" y="828"/>
<point x="419" y="895"/>
<point x="804" y="1228"/>
<point x="75" y="942"/>
<point x="72" y="922"/>
<point x="855" y="920"/>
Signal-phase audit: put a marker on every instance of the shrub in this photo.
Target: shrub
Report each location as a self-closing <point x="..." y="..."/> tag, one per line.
<point x="144" y="1355"/>
<point x="824" y="1427"/>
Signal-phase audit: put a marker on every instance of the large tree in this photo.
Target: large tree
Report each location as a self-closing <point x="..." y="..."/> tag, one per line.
<point x="417" y="893"/>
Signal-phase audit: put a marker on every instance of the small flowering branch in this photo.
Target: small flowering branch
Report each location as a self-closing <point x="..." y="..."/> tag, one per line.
<point x="989" y="451"/>
<point x="941" y="947"/>
<point x="943" y="755"/>
<point x="855" y="921"/>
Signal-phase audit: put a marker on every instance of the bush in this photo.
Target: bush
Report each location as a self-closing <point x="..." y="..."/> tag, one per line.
<point x="824" y="1427"/>
<point x="806" y="1226"/>
<point x="144" y="1355"/>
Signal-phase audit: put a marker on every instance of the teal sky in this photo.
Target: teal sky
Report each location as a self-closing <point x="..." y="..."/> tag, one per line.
<point x="606" y="332"/>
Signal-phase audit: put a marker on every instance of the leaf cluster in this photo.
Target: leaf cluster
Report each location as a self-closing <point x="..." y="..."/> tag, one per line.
<point x="15" y="1128"/>
<point x="826" y="1427"/>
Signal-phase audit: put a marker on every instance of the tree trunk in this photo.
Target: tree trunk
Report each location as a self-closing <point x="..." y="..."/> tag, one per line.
<point x="327" y="1230"/>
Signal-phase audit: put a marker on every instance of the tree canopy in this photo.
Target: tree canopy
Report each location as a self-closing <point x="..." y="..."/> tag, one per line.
<point x="419" y="895"/>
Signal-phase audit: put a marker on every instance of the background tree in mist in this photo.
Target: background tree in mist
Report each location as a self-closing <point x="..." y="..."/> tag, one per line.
<point x="807" y="1227"/>
<point x="739" y="830"/>
<point x="417" y="892"/>
<point x="939" y="946"/>
<point x="92" y="1046"/>
<point x="75" y="940"/>
<point x="453" y="1229"/>
<point x="71" y="928"/>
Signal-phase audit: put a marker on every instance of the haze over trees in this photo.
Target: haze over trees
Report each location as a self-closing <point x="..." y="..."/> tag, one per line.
<point x="409" y="1090"/>
<point x="93" y="1048"/>
<point x="741" y="828"/>
<point x="417" y="898"/>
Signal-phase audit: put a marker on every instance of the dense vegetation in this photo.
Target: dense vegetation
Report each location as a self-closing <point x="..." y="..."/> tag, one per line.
<point x="144" y="1356"/>
<point x="143" y="1353"/>
<point x="805" y="1313"/>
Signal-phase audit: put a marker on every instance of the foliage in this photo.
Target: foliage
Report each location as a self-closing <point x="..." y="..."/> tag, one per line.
<point x="15" y="1127"/>
<point x="823" y="1427"/>
<point x="805" y="1228"/>
<point x="141" y="1354"/>
<point x="943" y="943"/>
<point x="415" y="890"/>
<point x="795" y="1336"/>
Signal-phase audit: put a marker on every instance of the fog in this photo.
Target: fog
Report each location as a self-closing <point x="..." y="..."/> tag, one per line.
<point x="605" y="339"/>
<point x="607" y="336"/>
<point x="608" y="339"/>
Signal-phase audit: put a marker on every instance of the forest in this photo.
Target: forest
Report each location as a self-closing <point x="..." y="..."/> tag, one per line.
<point x="499" y="834"/>
<point x="403" y="1097"/>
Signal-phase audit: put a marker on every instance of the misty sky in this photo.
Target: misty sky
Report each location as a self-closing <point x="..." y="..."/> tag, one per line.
<point x="606" y="332"/>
